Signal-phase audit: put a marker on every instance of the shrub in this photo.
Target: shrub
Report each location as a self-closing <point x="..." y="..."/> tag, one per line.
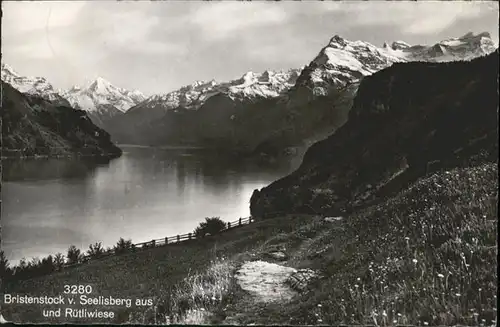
<point x="59" y="261"/>
<point x="210" y="226"/>
<point x="74" y="254"/>
<point x="122" y="245"/>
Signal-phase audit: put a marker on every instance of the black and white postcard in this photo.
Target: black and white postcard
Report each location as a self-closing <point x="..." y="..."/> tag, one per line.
<point x="249" y="163"/>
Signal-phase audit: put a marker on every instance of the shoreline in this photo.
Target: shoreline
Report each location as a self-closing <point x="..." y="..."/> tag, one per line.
<point x="163" y="147"/>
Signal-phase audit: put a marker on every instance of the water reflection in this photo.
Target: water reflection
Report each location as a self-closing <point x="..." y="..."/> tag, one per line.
<point x="147" y="193"/>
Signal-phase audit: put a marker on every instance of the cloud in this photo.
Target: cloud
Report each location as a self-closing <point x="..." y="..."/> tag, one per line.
<point x="422" y="17"/>
<point x="219" y="19"/>
<point x="29" y="16"/>
<point x="132" y="31"/>
<point x="162" y="45"/>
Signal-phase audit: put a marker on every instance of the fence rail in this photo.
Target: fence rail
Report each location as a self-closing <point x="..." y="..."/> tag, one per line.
<point x="157" y="243"/>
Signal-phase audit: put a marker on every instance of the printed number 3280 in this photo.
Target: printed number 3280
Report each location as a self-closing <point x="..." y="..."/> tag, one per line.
<point x="77" y="289"/>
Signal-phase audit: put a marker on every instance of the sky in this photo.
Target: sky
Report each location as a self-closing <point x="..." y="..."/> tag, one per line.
<point x="157" y="47"/>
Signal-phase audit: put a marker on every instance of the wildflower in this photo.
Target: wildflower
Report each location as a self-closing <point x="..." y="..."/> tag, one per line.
<point x="319" y="305"/>
<point x="202" y="309"/>
<point x="407" y="238"/>
<point x="394" y="321"/>
<point x="399" y="315"/>
<point x="384" y="313"/>
<point x="356" y="285"/>
<point x="457" y="294"/>
<point x="480" y="289"/>
<point x="426" y="323"/>
<point x="415" y="260"/>
<point x="359" y="279"/>
<point x="320" y="320"/>
<point x="475" y="314"/>
<point x="440" y="275"/>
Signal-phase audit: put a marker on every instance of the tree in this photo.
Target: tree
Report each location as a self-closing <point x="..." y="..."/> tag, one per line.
<point x="74" y="254"/>
<point x="47" y="265"/>
<point x="5" y="271"/>
<point x="122" y="245"/>
<point x="210" y="226"/>
<point x="59" y="261"/>
<point x="95" y="250"/>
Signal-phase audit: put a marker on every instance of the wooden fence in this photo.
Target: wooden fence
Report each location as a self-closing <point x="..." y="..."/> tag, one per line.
<point x="157" y="243"/>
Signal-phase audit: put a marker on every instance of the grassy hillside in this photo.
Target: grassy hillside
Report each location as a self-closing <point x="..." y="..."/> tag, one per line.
<point x="424" y="256"/>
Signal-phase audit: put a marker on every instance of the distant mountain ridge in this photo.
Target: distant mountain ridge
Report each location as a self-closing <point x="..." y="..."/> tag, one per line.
<point x="250" y="86"/>
<point x="299" y="102"/>
<point x="101" y="99"/>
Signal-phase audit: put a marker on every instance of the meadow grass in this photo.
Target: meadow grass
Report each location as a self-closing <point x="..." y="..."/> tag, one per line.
<point x="428" y="256"/>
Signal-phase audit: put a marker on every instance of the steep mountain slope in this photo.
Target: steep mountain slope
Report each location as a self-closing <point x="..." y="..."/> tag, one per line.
<point x="32" y="126"/>
<point x="32" y="85"/>
<point x="406" y="120"/>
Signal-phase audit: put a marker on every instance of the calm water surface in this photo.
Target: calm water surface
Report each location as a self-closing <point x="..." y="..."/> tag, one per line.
<point x="146" y="194"/>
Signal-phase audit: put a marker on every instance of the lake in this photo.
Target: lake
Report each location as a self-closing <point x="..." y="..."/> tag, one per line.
<point x="147" y="193"/>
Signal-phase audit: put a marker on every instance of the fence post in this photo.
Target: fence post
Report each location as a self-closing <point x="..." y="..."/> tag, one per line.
<point x="249" y="219"/>
<point x="228" y="225"/>
<point x="166" y="240"/>
<point x="189" y="235"/>
<point x="178" y="238"/>
<point x="153" y="243"/>
<point x="240" y="221"/>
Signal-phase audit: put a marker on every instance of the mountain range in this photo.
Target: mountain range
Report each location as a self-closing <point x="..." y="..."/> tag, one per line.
<point x="257" y="113"/>
<point x="311" y="101"/>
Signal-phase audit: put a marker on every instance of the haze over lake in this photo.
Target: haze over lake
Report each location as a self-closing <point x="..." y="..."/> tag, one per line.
<point x="49" y="204"/>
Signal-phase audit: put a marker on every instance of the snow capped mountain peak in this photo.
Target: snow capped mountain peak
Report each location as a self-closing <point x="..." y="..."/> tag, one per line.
<point x="31" y="85"/>
<point x="337" y="41"/>
<point x="100" y="85"/>
<point x="398" y="45"/>
<point x="344" y="62"/>
<point x="7" y="70"/>
<point x="250" y="85"/>
<point x="100" y="95"/>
